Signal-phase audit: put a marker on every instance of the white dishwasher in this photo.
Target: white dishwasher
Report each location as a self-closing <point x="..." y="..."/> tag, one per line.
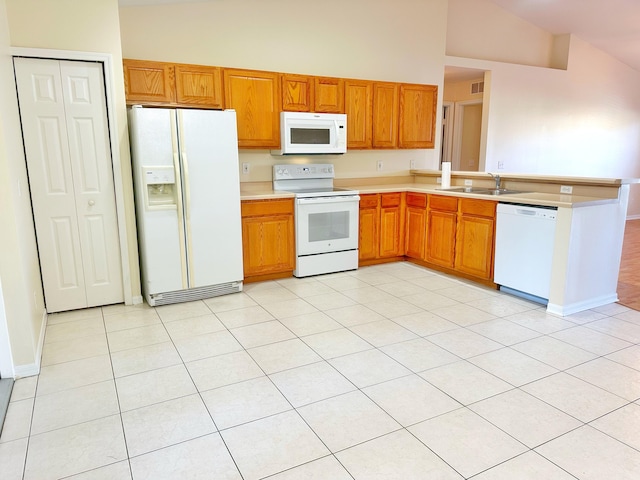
<point x="525" y="236"/>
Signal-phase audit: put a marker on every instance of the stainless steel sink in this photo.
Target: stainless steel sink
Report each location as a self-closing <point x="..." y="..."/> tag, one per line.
<point x="499" y="191"/>
<point x="481" y="191"/>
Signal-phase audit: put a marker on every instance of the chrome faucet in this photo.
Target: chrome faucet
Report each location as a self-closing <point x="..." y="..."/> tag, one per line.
<point x="496" y="178"/>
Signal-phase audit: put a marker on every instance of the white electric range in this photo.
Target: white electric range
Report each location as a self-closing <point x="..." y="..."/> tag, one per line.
<point x="326" y="218"/>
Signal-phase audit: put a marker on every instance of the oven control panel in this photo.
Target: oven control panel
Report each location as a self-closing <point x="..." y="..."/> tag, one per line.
<point x="303" y="171"/>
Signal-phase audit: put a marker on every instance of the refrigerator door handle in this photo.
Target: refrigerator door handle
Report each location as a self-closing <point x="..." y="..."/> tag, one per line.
<point x="187" y="213"/>
<point x="181" y="235"/>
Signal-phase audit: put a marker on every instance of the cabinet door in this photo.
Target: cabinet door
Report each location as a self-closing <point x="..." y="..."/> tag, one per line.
<point x="199" y="86"/>
<point x="255" y="96"/>
<point x="417" y="116"/>
<point x="441" y="237"/>
<point x="268" y="244"/>
<point x="297" y="93"/>
<point x="149" y="82"/>
<point x="416" y="225"/>
<point x="391" y="225"/>
<point x="476" y="233"/>
<point x="329" y="95"/>
<point x="474" y="246"/>
<point x="359" y="110"/>
<point x="385" y="115"/>
<point x="368" y="228"/>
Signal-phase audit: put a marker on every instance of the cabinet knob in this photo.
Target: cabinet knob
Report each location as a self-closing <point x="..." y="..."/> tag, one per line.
<point x="91" y="203"/>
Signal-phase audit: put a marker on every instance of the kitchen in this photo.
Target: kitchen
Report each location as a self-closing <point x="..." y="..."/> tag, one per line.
<point x="120" y="33"/>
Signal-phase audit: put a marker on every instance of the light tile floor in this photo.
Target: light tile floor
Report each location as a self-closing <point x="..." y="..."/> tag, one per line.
<point x="391" y="371"/>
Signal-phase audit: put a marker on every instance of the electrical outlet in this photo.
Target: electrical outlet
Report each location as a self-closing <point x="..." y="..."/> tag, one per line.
<point x="380" y="165"/>
<point x="412" y="164"/>
<point x="566" y="189"/>
<point x="245" y="168"/>
<point x="500" y="165"/>
<point x="468" y="183"/>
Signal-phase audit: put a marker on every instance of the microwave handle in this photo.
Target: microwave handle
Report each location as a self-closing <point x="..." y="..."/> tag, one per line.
<point x="321" y="200"/>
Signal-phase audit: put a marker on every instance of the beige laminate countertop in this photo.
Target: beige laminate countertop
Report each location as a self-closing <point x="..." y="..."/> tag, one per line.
<point x="531" y="198"/>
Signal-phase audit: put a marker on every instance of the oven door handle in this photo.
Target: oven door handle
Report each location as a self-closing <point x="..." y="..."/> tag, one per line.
<point x="322" y="200"/>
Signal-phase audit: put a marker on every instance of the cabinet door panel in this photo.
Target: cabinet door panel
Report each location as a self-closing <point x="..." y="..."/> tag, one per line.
<point x="329" y="95"/>
<point x="441" y="237"/>
<point x="255" y="96"/>
<point x="297" y="93"/>
<point x="199" y="85"/>
<point x="390" y="232"/>
<point x="474" y="246"/>
<point x="368" y="228"/>
<point x="267" y="244"/>
<point x="149" y="82"/>
<point x="385" y="115"/>
<point x="359" y="110"/>
<point x="416" y="232"/>
<point x="417" y="116"/>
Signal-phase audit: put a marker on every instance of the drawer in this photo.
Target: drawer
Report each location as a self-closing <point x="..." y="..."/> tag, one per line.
<point x="369" y="201"/>
<point x="447" y="204"/>
<point x="391" y="199"/>
<point x="481" y="208"/>
<point x="254" y="208"/>
<point x="416" y="200"/>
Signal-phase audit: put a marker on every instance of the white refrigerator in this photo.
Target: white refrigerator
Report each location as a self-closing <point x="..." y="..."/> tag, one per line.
<point x="187" y="195"/>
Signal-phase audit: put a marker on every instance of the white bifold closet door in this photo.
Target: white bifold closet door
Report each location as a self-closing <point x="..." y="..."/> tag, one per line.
<point x="66" y="139"/>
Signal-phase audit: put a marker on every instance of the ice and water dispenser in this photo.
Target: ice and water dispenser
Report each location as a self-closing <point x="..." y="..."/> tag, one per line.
<point x="160" y="187"/>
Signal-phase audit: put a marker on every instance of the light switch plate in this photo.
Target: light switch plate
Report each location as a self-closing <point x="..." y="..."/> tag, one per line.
<point x="245" y="167"/>
<point x="566" y="189"/>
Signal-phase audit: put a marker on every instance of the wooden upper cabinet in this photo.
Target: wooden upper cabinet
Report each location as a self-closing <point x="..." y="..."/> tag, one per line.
<point x="329" y="95"/>
<point x="297" y="93"/>
<point x="385" y="115"/>
<point x="199" y="86"/>
<point x="417" y="116"/>
<point x="255" y="96"/>
<point x="359" y="109"/>
<point x="149" y="82"/>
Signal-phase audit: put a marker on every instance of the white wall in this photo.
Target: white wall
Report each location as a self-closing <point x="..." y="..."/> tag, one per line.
<point x="61" y="25"/>
<point x="401" y="41"/>
<point x="19" y="269"/>
<point x="483" y="30"/>
<point x="582" y="121"/>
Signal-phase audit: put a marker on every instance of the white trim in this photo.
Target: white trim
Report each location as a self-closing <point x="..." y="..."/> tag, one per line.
<point x="107" y="61"/>
<point x="31" y="369"/>
<point x="564" y="310"/>
<point x="633" y="217"/>
<point x="7" y="369"/>
<point x="447" y="134"/>
<point x="458" y="119"/>
<point x="137" y="300"/>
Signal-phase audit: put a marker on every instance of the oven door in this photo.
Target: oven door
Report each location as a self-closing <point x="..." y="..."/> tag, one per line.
<point x="326" y="224"/>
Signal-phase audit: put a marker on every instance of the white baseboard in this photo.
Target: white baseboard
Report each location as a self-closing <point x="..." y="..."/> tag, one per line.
<point x="570" y="309"/>
<point x="137" y="300"/>
<point x="32" y="369"/>
<point x="633" y="217"/>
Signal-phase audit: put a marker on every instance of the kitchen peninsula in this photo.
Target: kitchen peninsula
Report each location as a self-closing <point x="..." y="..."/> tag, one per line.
<point x="588" y="238"/>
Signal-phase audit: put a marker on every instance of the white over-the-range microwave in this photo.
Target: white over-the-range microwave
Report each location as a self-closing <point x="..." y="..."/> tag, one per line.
<point x="303" y="133"/>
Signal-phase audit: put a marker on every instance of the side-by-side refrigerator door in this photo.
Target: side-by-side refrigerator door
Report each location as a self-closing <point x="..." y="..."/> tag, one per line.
<point x="154" y="146"/>
<point x="209" y="150"/>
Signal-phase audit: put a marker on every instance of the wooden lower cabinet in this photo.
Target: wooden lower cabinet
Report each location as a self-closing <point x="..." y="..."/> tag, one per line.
<point x="368" y="227"/>
<point x="442" y="217"/>
<point x="268" y="239"/>
<point x="475" y="238"/>
<point x="381" y="227"/>
<point x="391" y="225"/>
<point x="416" y="225"/>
